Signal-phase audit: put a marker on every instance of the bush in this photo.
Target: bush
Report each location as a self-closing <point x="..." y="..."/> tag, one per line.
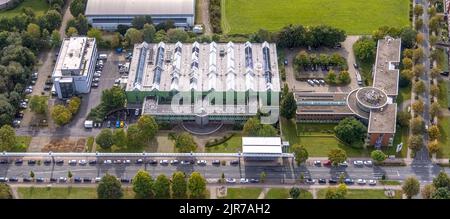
<point x="215" y="15"/>
<point x="216" y="141"/>
<point x="74" y="105"/>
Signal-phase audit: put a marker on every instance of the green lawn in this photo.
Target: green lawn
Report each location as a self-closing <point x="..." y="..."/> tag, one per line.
<point x="444" y="140"/>
<point x="64" y="193"/>
<point x="362" y="194"/>
<point x="443" y="94"/>
<point x="354" y="16"/>
<point x="315" y="128"/>
<point x="404" y="94"/>
<point x="39" y="7"/>
<point x="232" y="145"/>
<point x="243" y="193"/>
<point x="400" y="136"/>
<point x="160" y="144"/>
<point x="281" y="193"/>
<point x="390" y="182"/>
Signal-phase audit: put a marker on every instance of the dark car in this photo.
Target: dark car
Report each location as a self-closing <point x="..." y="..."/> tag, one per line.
<point x="47" y="162"/>
<point x="13" y="179"/>
<point x="322" y="181"/>
<point x="125" y="180"/>
<point x="92" y="162"/>
<point x="32" y="162"/>
<point x="216" y="162"/>
<point x="47" y="87"/>
<point x="39" y="180"/>
<point x="18" y="161"/>
<point x="27" y="179"/>
<point x="77" y="179"/>
<point x="48" y="81"/>
<point x="139" y="161"/>
<point x="332" y="181"/>
<point x="234" y="162"/>
<point x="254" y="180"/>
<point x="59" y="161"/>
<point x="3" y="161"/>
<point x="349" y="181"/>
<point x="53" y="180"/>
<point x="87" y="180"/>
<point x="153" y="162"/>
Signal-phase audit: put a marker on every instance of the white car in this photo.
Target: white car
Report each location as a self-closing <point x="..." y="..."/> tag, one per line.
<point x="107" y="162"/>
<point x="230" y="180"/>
<point x="344" y="164"/>
<point x="97" y="179"/>
<point x="368" y="163"/>
<point x="372" y="182"/>
<point x="317" y="162"/>
<point x="82" y="162"/>
<point x="243" y="180"/>
<point x="358" y="162"/>
<point x="173" y="162"/>
<point x="361" y="182"/>
<point x="201" y="162"/>
<point x="127" y="161"/>
<point x="97" y="75"/>
<point x="165" y="162"/>
<point x="72" y="161"/>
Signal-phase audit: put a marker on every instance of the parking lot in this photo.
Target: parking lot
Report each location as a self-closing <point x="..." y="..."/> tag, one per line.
<point x="302" y="85"/>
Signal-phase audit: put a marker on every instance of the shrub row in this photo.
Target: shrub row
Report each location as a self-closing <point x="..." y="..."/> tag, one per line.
<point x="215" y="15"/>
<point x="218" y="141"/>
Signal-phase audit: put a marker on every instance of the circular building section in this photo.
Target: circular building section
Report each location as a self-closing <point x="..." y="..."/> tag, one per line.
<point x="370" y="98"/>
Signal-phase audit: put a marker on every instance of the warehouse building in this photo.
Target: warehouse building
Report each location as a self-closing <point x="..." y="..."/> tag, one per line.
<point x="108" y="14"/>
<point x="217" y="82"/>
<point x="374" y="106"/>
<point x="75" y="66"/>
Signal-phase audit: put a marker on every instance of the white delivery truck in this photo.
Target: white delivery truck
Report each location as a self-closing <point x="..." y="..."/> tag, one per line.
<point x="88" y="124"/>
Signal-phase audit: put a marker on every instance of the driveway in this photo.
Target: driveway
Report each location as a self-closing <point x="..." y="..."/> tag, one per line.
<point x="203" y="13"/>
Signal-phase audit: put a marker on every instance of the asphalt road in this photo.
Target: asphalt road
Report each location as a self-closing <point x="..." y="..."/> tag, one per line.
<point x="275" y="173"/>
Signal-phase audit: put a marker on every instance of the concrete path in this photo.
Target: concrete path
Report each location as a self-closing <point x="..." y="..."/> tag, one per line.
<point x="263" y="193"/>
<point x="203" y="13"/>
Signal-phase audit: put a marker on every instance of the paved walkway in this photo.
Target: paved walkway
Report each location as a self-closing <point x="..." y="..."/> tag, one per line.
<point x="203" y="8"/>
<point x="263" y="193"/>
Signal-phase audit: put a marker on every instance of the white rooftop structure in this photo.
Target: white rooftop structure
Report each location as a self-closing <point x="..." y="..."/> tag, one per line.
<point x="261" y="145"/>
<point x="140" y="7"/>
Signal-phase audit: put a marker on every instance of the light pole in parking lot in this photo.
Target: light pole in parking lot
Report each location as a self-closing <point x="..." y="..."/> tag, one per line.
<point x="51" y="155"/>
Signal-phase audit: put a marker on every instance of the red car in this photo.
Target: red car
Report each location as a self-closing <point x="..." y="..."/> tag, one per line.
<point x="327" y="163"/>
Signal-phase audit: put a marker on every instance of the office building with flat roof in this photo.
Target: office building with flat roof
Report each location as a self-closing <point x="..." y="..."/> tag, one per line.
<point x="108" y="14"/>
<point x="202" y="82"/>
<point x="75" y="66"/>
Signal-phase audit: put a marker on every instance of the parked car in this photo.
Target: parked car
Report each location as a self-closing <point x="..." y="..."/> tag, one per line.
<point x="59" y="162"/>
<point x="361" y="181"/>
<point x="118" y="161"/>
<point x="27" y="179"/>
<point x="215" y="162"/>
<point x="358" y="163"/>
<point x="122" y="124"/>
<point x="164" y="162"/>
<point x="368" y="163"/>
<point x="4" y="179"/>
<point x="62" y="179"/>
<point x="53" y="180"/>
<point x="47" y="161"/>
<point x="40" y="179"/>
<point x="185" y="162"/>
<point x="3" y="161"/>
<point x="117" y="124"/>
<point x="234" y="162"/>
<point x="254" y="180"/>
<point x="355" y="65"/>
<point x="332" y="181"/>
<point x="107" y="162"/>
<point x="139" y="161"/>
<point x="87" y="180"/>
<point x="72" y="162"/>
<point x="77" y="179"/>
<point x="327" y="163"/>
<point x="349" y="181"/>
<point x="372" y="182"/>
<point x="13" y="179"/>
<point x="152" y="162"/>
<point x="92" y="162"/>
<point x="174" y="162"/>
<point x="97" y="75"/>
<point x="310" y="181"/>
<point x="18" y="161"/>
<point x="97" y="179"/>
<point x="243" y="181"/>
<point x="47" y="87"/>
<point x="317" y="163"/>
<point x="201" y="162"/>
<point x="343" y="164"/>
<point x="94" y="85"/>
<point x="322" y="181"/>
<point x="31" y="162"/>
<point x="96" y="80"/>
<point x="230" y="180"/>
<point x="125" y="180"/>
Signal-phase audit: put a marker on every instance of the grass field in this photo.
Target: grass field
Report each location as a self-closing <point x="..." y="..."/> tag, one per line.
<point x="233" y="145"/>
<point x="243" y="193"/>
<point x="444" y="140"/>
<point x="281" y="193"/>
<point x="354" y="16"/>
<point x="64" y="193"/>
<point x="363" y="194"/>
<point x="443" y="93"/>
<point x="404" y="94"/>
<point x="39" y="7"/>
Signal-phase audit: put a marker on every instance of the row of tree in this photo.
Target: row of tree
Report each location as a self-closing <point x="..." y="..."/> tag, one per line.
<point x="439" y="189"/>
<point x="145" y="187"/>
<point x="343" y="78"/>
<point x="62" y="114"/>
<point x="312" y="61"/>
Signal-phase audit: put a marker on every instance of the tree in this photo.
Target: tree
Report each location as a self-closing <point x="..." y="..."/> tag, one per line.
<point x="419" y="39"/>
<point x="113" y="98"/>
<point x="411" y="187"/>
<point x="408" y="36"/>
<point x="434" y="90"/>
<point x="344" y="77"/>
<point x="147" y="127"/>
<point x="337" y="156"/>
<point x="294" y="192"/>
<point x="135" y="139"/>
<point x="433" y="132"/>
<point x="427" y="191"/>
<point x="133" y="36"/>
<point x="38" y="104"/>
<point x="407" y="63"/>
<point x="288" y="106"/>
<point x="336" y="193"/>
<point x="441" y="193"/>
<point x="441" y="180"/>
<point x="415" y="142"/>
<point x="185" y="143"/>
<point x="143" y="185"/>
<point x="161" y="187"/>
<point x="71" y="32"/>
<point x="266" y="130"/>
<point x="418" y="54"/>
<point x="69" y="175"/>
<point x="435" y="109"/>
<point x="55" y="38"/>
<point x="330" y="78"/>
<point x="403" y="118"/>
<point x="433" y="147"/>
<point x="148" y="32"/>
<point x="34" y="31"/>
<point x="262" y="177"/>
<point x="418" y="10"/>
<point x="418" y="106"/>
<point x="418" y="24"/>
<point x="419" y="87"/>
<point x="78" y="7"/>
<point x="406" y="76"/>
<point x="74" y="105"/>
<point x="418" y="70"/>
<point x="51" y="20"/>
<point x="179" y="185"/>
<point x="7" y="138"/>
<point x="32" y="175"/>
<point x="5" y="191"/>
<point x="251" y="127"/>
<point x="378" y="156"/>
<point x="116" y="40"/>
<point x="196" y="186"/>
<point x="364" y="49"/>
<point x="417" y="125"/>
<point x="350" y="130"/>
<point x="104" y="138"/>
<point x="435" y="71"/>
<point x="109" y="187"/>
<point x="138" y="22"/>
<point x="300" y="153"/>
<point x="177" y="35"/>
<point x="95" y="33"/>
<point x="119" y="138"/>
<point x="61" y="115"/>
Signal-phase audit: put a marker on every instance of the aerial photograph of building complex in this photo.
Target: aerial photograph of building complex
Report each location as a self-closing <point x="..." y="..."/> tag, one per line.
<point x="224" y="99"/>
